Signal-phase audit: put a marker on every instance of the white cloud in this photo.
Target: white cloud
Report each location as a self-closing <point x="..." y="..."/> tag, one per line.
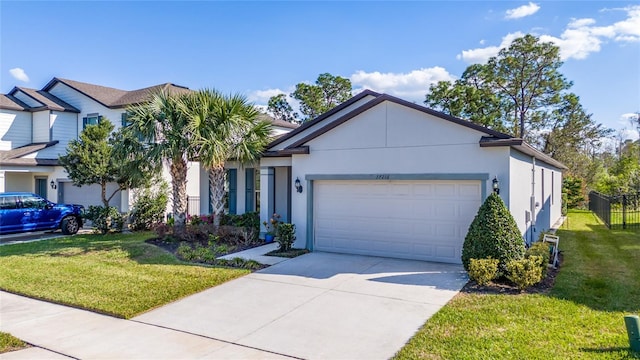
<point x="263" y="96"/>
<point x="627" y="120"/>
<point x="522" y="11"/>
<point x="19" y="74"/>
<point x="411" y="86"/>
<point x="481" y="55"/>
<point x="631" y="134"/>
<point x="580" y="38"/>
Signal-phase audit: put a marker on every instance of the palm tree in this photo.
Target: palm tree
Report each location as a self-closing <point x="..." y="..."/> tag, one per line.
<point x="161" y="125"/>
<point x="224" y="128"/>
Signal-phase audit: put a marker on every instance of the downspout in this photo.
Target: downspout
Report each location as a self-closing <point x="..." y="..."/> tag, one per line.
<point x="532" y="200"/>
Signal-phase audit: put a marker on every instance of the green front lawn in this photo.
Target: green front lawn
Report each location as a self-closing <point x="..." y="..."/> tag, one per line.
<point x="9" y="342"/>
<point x="581" y="318"/>
<point x="119" y="275"/>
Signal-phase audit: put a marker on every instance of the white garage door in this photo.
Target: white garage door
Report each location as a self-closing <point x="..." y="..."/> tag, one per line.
<point x="88" y="194"/>
<point x="422" y="220"/>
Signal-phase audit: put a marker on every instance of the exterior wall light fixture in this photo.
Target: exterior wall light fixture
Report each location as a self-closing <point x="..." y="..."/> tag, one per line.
<point x="53" y="185"/>
<point x="298" y="185"/>
<point x="496" y="185"/>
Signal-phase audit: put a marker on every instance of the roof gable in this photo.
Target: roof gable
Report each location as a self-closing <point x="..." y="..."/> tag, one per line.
<point x="320" y="120"/>
<point x="112" y="97"/>
<point x="385" y="97"/>
<point x="488" y="136"/>
<point x="43" y="100"/>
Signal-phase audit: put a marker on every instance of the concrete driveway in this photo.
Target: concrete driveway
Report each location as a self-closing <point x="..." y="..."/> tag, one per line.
<point x="319" y="306"/>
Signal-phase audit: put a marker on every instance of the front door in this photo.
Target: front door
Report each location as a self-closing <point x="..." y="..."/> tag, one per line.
<point x="41" y="187"/>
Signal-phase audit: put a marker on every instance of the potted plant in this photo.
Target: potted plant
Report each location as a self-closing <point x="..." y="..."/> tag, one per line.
<point x="271" y="227"/>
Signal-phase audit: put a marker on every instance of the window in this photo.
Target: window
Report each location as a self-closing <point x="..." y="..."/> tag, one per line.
<point x="125" y="122"/>
<point x="230" y="187"/>
<point x="8" y="202"/>
<point x="33" y="202"/>
<point x="257" y="189"/>
<point x="91" y="119"/>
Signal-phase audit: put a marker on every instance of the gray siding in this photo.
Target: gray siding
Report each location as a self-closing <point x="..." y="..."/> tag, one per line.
<point x="15" y="129"/>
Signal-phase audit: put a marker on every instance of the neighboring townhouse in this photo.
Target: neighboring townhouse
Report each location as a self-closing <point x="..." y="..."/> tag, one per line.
<point x="37" y="125"/>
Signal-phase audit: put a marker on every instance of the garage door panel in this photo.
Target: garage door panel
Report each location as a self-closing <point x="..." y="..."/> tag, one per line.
<point x="88" y="195"/>
<point x="425" y="220"/>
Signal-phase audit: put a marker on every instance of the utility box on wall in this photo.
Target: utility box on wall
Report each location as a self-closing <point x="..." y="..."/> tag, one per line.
<point x="633" y="330"/>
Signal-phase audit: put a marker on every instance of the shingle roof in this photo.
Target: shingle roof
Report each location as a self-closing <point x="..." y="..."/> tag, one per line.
<point x="47" y="100"/>
<point x="138" y="96"/>
<point x="9" y="102"/>
<point x="15" y="156"/>
<point x="115" y="98"/>
<point x="275" y="122"/>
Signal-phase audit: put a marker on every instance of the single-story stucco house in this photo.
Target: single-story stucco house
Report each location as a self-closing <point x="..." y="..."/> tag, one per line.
<point x="381" y="176"/>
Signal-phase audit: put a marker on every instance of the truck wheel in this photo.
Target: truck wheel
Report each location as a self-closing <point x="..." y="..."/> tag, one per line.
<point x="70" y="225"/>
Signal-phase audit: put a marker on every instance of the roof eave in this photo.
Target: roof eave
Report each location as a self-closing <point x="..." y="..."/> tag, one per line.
<point x="521" y="146"/>
<point x="318" y="119"/>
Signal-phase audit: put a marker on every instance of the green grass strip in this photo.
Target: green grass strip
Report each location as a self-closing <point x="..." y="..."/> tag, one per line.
<point x="581" y="318"/>
<point x="118" y="275"/>
<point x="9" y="342"/>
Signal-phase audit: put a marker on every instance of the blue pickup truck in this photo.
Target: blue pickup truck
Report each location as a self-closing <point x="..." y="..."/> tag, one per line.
<point x="23" y="211"/>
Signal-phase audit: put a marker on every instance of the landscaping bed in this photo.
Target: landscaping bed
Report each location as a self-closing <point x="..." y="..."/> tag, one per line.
<point x="580" y="316"/>
<point x="504" y="286"/>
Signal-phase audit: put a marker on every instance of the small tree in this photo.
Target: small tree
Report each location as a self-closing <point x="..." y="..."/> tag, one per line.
<point x="493" y="233"/>
<point x="97" y="158"/>
<point x="280" y="108"/>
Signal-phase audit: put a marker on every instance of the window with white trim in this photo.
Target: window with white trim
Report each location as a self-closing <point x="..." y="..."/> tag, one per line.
<point x="91" y="119"/>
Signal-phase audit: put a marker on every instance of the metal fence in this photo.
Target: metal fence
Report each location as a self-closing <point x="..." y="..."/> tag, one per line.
<point x="193" y="205"/>
<point x="617" y="211"/>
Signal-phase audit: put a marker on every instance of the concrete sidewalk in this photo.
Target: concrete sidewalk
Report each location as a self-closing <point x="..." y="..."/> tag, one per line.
<point x="58" y="332"/>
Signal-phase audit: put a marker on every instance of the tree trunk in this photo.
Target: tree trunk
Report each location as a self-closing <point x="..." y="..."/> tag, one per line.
<point x="216" y="192"/>
<point x="107" y="213"/>
<point x="178" y="171"/>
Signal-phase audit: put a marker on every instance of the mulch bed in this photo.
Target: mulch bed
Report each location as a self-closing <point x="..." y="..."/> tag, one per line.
<point x="504" y="287"/>
<point x="171" y="245"/>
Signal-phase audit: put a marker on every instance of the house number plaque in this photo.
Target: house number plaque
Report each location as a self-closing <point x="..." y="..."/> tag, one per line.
<point x="382" y="177"/>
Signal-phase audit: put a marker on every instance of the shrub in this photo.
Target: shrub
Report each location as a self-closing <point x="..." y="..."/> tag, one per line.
<point x="525" y="272"/>
<point x="249" y="221"/>
<point x="286" y="236"/>
<point x="185" y="252"/>
<point x="149" y="207"/>
<point x="105" y="219"/>
<point x="483" y="270"/>
<point x="199" y="233"/>
<point x="221" y="249"/>
<point x="542" y="250"/>
<point x="493" y="234"/>
<point x="161" y="229"/>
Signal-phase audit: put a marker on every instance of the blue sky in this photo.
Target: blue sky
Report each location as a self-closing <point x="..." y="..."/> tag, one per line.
<point x="263" y="48"/>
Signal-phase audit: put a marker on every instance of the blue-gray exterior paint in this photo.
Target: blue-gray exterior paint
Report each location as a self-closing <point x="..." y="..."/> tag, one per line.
<point x="310" y="234"/>
<point x="310" y="178"/>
